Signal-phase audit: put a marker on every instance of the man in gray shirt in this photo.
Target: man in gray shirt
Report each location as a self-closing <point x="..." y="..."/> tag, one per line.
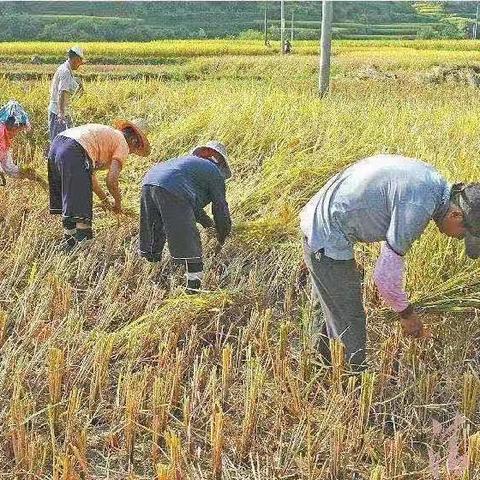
<point x="64" y="85"/>
<point x="385" y="198"/>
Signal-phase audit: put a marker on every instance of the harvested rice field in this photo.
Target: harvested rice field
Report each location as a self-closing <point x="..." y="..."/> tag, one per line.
<point x="108" y="370"/>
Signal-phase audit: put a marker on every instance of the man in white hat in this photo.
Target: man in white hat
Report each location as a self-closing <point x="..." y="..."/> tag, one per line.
<point x="174" y="195"/>
<point x="64" y="85"/>
<point x="74" y="157"/>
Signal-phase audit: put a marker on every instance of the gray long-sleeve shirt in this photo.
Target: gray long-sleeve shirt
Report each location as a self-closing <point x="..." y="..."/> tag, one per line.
<point x="382" y="198"/>
<point x="200" y="182"/>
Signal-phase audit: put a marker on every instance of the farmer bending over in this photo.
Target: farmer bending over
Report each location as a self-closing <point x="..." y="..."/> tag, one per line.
<point x="174" y="195"/>
<point x="386" y="198"/>
<point x="13" y="120"/>
<point x="74" y="156"/>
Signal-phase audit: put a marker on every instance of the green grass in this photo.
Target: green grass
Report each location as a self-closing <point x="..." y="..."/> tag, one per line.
<point x="83" y="17"/>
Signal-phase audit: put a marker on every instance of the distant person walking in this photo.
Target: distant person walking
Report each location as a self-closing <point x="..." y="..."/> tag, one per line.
<point x="64" y="85"/>
<point x="74" y="157"/>
<point x="385" y="198"/>
<point x="174" y="195"/>
<point x="287" y="48"/>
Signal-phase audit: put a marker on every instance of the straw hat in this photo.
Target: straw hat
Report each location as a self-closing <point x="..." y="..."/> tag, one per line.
<point x="222" y="150"/>
<point x="140" y="127"/>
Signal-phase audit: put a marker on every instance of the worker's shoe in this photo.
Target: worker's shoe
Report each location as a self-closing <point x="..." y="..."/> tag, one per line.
<point x="73" y="244"/>
<point x="151" y="257"/>
<point x="193" y="287"/>
<point x="83" y="244"/>
<point x="68" y="242"/>
<point x="65" y="246"/>
<point x="83" y="234"/>
<point x="69" y="247"/>
<point x="83" y="237"/>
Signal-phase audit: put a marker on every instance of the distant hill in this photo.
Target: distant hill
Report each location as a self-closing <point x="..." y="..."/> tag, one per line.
<point x="136" y="21"/>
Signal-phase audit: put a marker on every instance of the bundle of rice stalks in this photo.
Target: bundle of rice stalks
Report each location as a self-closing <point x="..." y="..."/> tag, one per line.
<point x="455" y="295"/>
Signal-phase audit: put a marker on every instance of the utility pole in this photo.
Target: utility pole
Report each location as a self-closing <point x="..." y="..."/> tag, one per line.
<point x="291" y="30"/>
<point x="282" y="24"/>
<point x="325" y="46"/>
<point x="265" y="29"/>
<point x="475" y="26"/>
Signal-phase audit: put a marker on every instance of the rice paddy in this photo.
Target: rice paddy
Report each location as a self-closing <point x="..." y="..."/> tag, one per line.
<point x="109" y="371"/>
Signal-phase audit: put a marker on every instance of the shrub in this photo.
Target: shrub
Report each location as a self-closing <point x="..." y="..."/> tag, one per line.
<point x="250" y="35"/>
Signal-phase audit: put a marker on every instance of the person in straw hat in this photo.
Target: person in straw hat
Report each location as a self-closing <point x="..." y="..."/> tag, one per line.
<point x="64" y="86"/>
<point x="74" y="157"/>
<point x="174" y="195"/>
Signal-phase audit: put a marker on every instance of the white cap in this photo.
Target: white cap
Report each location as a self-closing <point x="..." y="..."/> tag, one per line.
<point x="77" y="50"/>
<point x="222" y="150"/>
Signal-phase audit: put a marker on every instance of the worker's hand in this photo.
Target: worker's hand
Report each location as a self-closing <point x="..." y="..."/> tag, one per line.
<point x="221" y="238"/>
<point x="303" y="269"/>
<point x="80" y="89"/>
<point x="61" y="118"/>
<point x="218" y="248"/>
<point x="129" y="212"/>
<point x="30" y="174"/>
<point x="106" y="204"/>
<point x="208" y="223"/>
<point x="117" y="207"/>
<point x="210" y="231"/>
<point x="413" y="326"/>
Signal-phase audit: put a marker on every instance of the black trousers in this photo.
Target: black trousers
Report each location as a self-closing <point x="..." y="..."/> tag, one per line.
<point x="337" y="295"/>
<point x="70" y="180"/>
<point x="165" y="217"/>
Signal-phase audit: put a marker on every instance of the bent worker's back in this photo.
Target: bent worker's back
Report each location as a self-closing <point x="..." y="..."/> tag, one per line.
<point x="174" y="194"/>
<point x="192" y="178"/>
<point x="385" y="197"/>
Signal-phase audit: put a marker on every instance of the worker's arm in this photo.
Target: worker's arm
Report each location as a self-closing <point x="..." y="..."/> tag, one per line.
<point x="221" y="213"/>
<point x="12" y="170"/>
<point x="8" y="165"/>
<point x="389" y="277"/>
<point x="63" y="105"/>
<point x="223" y="223"/>
<point x="98" y="190"/>
<point x="203" y="219"/>
<point x="408" y="221"/>
<point x="67" y="86"/>
<point x="112" y="184"/>
<point x="80" y="89"/>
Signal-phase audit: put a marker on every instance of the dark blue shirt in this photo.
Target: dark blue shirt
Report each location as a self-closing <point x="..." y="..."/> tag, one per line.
<point x="200" y="182"/>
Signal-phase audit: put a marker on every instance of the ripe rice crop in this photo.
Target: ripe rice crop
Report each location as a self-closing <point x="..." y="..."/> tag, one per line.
<point x="108" y="371"/>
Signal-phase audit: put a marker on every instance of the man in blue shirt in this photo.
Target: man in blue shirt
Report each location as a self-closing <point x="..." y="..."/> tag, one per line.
<point x="174" y="195"/>
<point x="385" y="198"/>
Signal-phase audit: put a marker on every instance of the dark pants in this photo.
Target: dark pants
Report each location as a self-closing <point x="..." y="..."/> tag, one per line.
<point x="167" y="217"/>
<point x="55" y="126"/>
<point x="337" y="293"/>
<point x="70" y="181"/>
